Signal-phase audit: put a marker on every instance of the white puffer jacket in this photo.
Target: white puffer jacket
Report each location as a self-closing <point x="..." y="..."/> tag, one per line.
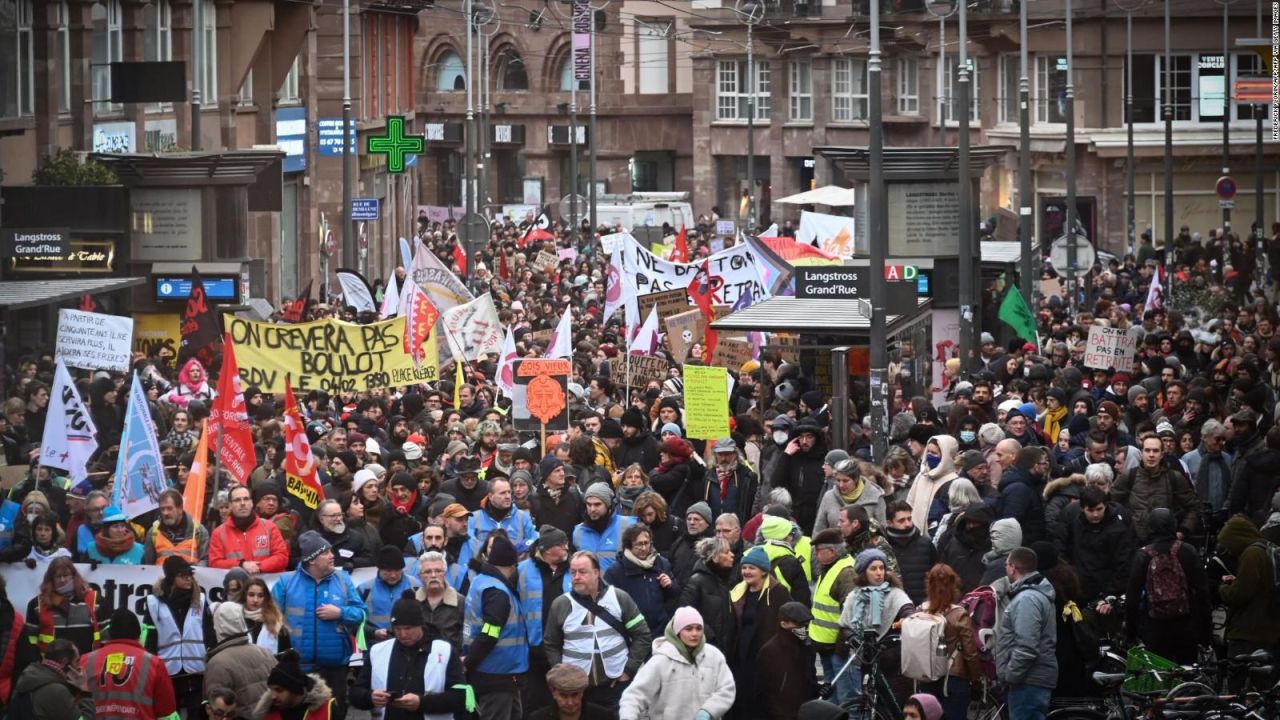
<point x="669" y="687"/>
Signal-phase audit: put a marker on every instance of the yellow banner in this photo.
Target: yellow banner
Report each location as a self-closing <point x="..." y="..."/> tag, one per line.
<point x="706" y="402"/>
<point x="153" y="332"/>
<point x="329" y="355"/>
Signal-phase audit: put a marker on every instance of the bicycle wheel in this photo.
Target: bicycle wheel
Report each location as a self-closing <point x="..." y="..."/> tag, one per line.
<point x="999" y="711"/>
<point x="1189" y="689"/>
<point x="1076" y="714"/>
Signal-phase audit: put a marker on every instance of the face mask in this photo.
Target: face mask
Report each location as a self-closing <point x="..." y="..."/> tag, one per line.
<point x="968" y="436"/>
<point x="801" y="632"/>
<point x="66" y="588"/>
<point x="932" y="460"/>
<point x="780" y="437"/>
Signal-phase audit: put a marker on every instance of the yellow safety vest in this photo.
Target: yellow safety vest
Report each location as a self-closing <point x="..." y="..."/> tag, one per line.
<point x="825" y="627"/>
<point x="775" y="551"/>
<point x="804" y="551"/>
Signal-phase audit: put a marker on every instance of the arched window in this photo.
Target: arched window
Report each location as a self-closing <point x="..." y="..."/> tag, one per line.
<point x="566" y="75"/>
<point x="510" y="70"/>
<point x="451" y="75"/>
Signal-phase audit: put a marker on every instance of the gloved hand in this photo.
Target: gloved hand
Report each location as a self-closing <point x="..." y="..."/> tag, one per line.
<point x="30" y="563"/>
<point x="702" y="715"/>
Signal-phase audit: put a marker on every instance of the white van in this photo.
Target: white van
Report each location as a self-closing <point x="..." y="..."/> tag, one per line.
<point x="643" y="209"/>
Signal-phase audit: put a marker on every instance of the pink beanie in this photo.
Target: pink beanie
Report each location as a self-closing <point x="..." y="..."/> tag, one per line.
<point x="930" y="705"/>
<point x="685" y="617"/>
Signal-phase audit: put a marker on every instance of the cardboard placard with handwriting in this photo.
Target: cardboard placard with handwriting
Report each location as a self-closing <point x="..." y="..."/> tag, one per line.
<point x="731" y="353"/>
<point x="683" y="331"/>
<point x="669" y="302"/>
<point x="643" y="369"/>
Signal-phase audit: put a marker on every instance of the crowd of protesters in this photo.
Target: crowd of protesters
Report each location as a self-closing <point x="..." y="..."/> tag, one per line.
<point x="624" y="569"/>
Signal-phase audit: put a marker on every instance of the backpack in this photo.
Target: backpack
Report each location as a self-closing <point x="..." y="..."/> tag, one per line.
<point x="980" y="603"/>
<point x="1273" y="560"/>
<point x="1088" y="646"/>
<point x="1167" y="594"/>
<point x="924" y="647"/>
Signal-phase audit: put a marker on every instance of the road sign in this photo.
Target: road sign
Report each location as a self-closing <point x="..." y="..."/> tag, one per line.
<point x="1226" y="188"/>
<point x="396" y="145"/>
<point x="366" y="208"/>
<point x="1085" y="255"/>
<point x="474" y="229"/>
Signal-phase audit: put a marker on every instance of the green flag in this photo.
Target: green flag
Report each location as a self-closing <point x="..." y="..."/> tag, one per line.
<point x="1015" y="313"/>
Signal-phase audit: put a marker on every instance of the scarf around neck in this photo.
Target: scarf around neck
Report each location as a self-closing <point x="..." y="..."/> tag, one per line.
<point x="646" y="564"/>
<point x="1053" y="423"/>
<point x="853" y="496"/>
<point x="110" y="547"/>
<point x="868" y="606"/>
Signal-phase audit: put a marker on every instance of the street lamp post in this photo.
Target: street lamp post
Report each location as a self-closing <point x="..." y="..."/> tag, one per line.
<point x="1226" y="107"/>
<point x="591" y="124"/>
<point x="878" y="242"/>
<point x="1073" y="270"/>
<point x="750" y="13"/>
<point x="1129" y="6"/>
<point x="1024" y="157"/>
<point x="349" y="251"/>
<point x="469" y="194"/>
<point x="1168" y="141"/>
<point x="967" y="248"/>
<point x="941" y="9"/>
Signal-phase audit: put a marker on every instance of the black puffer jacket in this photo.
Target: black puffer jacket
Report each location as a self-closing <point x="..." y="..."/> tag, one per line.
<point x="708" y="592"/>
<point x="682" y="556"/>
<point x="964" y="543"/>
<point x="1100" y="553"/>
<point x="1255" y="482"/>
<point x="916" y="554"/>
<point x="801" y="474"/>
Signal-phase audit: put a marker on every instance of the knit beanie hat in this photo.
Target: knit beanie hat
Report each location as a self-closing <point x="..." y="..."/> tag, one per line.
<point x="702" y="509"/>
<point x="550" y="536"/>
<point x="312" y="545"/>
<point x="502" y="553"/>
<point x="866" y="557"/>
<point x="348" y="458"/>
<point x="174" y="566"/>
<point x="288" y="674"/>
<point x="685" y="617"/>
<point x="758" y="557"/>
<point x="775" y="528"/>
<point x="268" y="488"/>
<point x="124" y="625"/>
<point x="929" y="705"/>
<point x="602" y="492"/>
<point x="389" y="558"/>
<point x="403" y="479"/>
<point x="408" y="611"/>
<point x="677" y="448"/>
<point x="834" y="457"/>
<point x="549" y="464"/>
<point x="671" y="428"/>
<point x="363" y="475"/>
<point x="633" y="418"/>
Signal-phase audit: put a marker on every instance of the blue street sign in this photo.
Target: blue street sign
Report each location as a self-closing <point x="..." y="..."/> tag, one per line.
<point x="365" y="208"/>
<point x="329" y="137"/>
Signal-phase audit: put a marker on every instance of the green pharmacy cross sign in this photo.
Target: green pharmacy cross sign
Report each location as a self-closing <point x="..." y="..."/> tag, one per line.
<point x="395" y="144"/>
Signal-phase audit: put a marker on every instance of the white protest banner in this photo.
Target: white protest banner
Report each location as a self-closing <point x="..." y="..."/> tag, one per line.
<point x="612" y="242"/>
<point x="69" y="433"/>
<point x="438" y="282"/>
<point x="733" y="273"/>
<point x="832" y="233"/>
<point x="94" y="341"/>
<point x="474" y="327"/>
<point x="1110" y="348"/>
<point x="127" y="586"/>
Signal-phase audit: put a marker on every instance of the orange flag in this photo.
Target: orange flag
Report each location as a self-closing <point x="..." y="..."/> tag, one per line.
<point x="197" y="479"/>
<point x="301" y="479"/>
<point x="681" y="251"/>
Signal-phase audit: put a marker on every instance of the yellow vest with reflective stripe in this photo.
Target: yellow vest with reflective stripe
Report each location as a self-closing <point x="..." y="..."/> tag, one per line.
<point x="775" y="551"/>
<point x="825" y="627"/>
<point x="804" y="551"/>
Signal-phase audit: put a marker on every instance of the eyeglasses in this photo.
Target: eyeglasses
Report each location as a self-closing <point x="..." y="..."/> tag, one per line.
<point x="221" y="712"/>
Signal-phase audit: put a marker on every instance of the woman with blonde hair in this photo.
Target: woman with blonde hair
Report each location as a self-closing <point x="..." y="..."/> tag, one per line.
<point x="267" y="627"/>
<point x="66" y="608"/>
<point x="651" y="509"/>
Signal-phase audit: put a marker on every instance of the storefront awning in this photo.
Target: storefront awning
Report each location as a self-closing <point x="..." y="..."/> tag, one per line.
<point x="823" y="316"/>
<point x="19" y="294"/>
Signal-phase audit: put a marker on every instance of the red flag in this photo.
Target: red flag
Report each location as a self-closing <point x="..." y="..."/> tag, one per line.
<point x="536" y="234"/>
<point x="503" y="271"/>
<point x="702" y="290"/>
<point x="88" y="304"/>
<point x="460" y="256"/>
<point x="681" y="251"/>
<point x="197" y="479"/>
<point x="302" y="480"/>
<point x="229" y="420"/>
<point x="420" y="316"/>
<point x="294" y="311"/>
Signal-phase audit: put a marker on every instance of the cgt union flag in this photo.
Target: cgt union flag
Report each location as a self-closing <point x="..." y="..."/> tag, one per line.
<point x="299" y="464"/>
<point x="229" y="420"/>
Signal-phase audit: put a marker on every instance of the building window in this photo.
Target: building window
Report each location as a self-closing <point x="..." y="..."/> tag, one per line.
<point x="63" y="52"/>
<point x="801" y="91"/>
<point x="566" y="76"/>
<point x="108" y="47"/>
<point x="1248" y="65"/>
<point x="733" y="95"/>
<point x="244" y="98"/>
<point x="157" y="39"/>
<point x="953" y="89"/>
<point x="1198" y="84"/>
<point x="510" y="71"/>
<point x="208" y="54"/>
<point x="451" y="75"/>
<point x="653" y="55"/>
<point x="1010" y="80"/>
<point x="908" y="86"/>
<point x="1051" y="89"/>
<point x="849" y="98"/>
<point x="290" y="92"/>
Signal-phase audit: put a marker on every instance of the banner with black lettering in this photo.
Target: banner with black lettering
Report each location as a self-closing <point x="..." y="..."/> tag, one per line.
<point x="329" y="354"/>
<point x="732" y="273"/>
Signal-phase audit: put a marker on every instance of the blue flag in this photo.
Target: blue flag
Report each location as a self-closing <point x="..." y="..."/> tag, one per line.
<point x="140" y="476"/>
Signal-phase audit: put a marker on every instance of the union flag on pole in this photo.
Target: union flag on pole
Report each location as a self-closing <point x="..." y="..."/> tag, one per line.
<point x="229" y="420"/>
<point x="420" y="318"/>
<point x="302" y="480"/>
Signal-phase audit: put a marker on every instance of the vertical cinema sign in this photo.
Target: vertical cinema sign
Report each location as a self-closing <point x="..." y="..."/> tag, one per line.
<point x="581" y="40"/>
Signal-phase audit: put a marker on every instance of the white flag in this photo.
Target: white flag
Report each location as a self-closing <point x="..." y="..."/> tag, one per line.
<point x="474" y="328"/>
<point x="1155" y="293"/>
<point x="646" y="340"/>
<point x="69" y="434"/>
<point x="771" y="232"/>
<point x="620" y="292"/>
<point x="505" y="377"/>
<point x="355" y="291"/>
<point x="561" y="345"/>
<point x="437" y="281"/>
<point x="390" y="299"/>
